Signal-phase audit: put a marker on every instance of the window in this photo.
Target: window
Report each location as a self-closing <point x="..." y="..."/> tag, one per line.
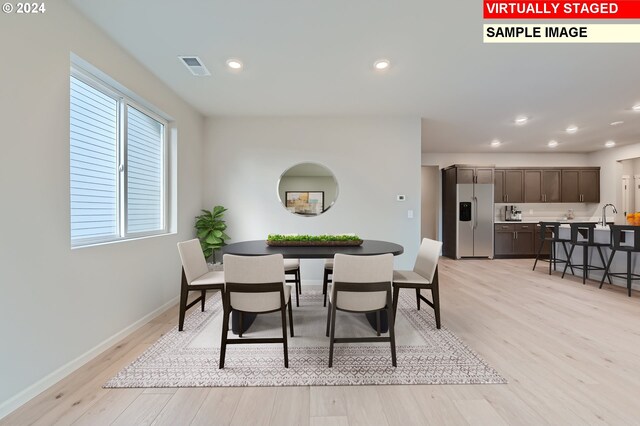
<point x="118" y="165"/>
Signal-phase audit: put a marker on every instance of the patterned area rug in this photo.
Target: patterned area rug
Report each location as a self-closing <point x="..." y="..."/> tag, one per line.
<point x="425" y="355"/>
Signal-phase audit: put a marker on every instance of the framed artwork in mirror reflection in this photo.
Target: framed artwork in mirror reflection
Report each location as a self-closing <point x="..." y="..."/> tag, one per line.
<point x="306" y="203"/>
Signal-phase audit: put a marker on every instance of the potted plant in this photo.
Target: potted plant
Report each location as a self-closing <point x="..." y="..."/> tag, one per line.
<point x="210" y="229"/>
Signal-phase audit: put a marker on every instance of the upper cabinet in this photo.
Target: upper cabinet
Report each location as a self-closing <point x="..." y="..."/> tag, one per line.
<point x="581" y="185"/>
<point x="547" y="185"/>
<point x="472" y="174"/>
<point x="542" y="185"/>
<point x="508" y="186"/>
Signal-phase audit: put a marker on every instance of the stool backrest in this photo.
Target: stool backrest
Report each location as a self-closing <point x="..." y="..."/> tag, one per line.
<point x="578" y="231"/>
<point x="618" y="231"/>
<point x="548" y="226"/>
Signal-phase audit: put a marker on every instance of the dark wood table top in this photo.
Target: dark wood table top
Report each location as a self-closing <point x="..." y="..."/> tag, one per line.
<point x="260" y="248"/>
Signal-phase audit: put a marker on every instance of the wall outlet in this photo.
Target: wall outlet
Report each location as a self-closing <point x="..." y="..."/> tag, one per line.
<point x="410" y="214"/>
<point x="400" y="197"/>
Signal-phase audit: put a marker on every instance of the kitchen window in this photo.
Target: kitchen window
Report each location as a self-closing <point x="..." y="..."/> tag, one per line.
<point x="118" y="165"/>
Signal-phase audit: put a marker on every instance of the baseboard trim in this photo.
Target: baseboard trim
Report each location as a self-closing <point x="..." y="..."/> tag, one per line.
<point x="15" y="402"/>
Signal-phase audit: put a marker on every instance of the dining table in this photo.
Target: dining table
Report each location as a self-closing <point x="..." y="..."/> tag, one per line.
<point x="261" y="248"/>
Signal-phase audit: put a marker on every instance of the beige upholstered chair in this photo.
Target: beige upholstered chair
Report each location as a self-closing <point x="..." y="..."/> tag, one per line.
<point x="195" y="276"/>
<point x="255" y="284"/>
<point x="361" y="284"/>
<point x="292" y="267"/>
<point x="423" y="277"/>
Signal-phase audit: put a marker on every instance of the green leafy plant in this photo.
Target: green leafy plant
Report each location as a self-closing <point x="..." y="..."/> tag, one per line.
<point x="210" y="229"/>
<point x="279" y="237"/>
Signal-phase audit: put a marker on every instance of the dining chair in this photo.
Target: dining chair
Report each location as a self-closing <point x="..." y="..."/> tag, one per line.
<point x="361" y="284"/>
<point x="424" y="276"/>
<point x="195" y="277"/>
<point x="328" y="271"/>
<point x="256" y="285"/>
<point x="292" y="267"/>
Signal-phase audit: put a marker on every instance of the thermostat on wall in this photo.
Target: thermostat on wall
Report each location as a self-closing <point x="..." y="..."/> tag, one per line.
<point x="400" y="197"/>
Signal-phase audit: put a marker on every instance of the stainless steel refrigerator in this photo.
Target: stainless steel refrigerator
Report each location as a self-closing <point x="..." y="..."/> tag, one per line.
<point x="474" y="226"/>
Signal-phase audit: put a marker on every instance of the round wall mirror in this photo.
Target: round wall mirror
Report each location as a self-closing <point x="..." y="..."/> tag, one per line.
<point x="307" y="189"/>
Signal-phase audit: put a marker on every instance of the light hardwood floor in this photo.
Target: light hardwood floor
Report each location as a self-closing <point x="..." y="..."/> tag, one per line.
<point x="570" y="352"/>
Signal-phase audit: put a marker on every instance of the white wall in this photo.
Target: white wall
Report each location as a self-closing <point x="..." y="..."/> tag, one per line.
<point x="56" y="303"/>
<point x="373" y="160"/>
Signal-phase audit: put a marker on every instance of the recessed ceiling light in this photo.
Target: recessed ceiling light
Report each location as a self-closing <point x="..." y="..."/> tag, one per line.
<point x="616" y="123"/>
<point x="609" y="144"/>
<point x="495" y="143"/>
<point x="234" y="64"/>
<point x="636" y="107"/>
<point x="521" y="119"/>
<point x="552" y="144"/>
<point x="572" y="129"/>
<point x="381" y="64"/>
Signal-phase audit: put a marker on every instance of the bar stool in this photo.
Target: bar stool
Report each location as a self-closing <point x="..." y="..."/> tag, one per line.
<point x="578" y="238"/>
<point x="553" y="229"/>
<point x="617" y="231"/>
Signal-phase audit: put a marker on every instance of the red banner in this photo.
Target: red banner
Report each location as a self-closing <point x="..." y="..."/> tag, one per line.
<point x="501" y="9"/>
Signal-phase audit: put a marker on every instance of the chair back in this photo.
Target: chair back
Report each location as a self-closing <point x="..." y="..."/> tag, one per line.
<point x="254" y="270"/>
<point x="427" y="260"/>
<point x="582" y="232"/>
<point x="631" y="237"/>
<point x="552" y="227"/>
<point x="193" y="261"/>
<point x="362" y="269"/>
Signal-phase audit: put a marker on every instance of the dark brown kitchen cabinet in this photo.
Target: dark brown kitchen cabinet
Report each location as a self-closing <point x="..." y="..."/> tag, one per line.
<point x="542" y="185"/>
<point x="581" y="185"/>
<point x="509" y="186"/>
<point x="474" y="174"/>
<point x="515" y="240"/>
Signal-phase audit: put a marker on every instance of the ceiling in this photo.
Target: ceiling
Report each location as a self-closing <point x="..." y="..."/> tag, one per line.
<point x="315" y="57"/>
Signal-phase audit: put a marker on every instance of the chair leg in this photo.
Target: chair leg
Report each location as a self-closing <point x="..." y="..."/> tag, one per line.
<point x="396" y="293"/>
<point x="298" y="281"/>
<point x="204" y="296"/>
<point x="418" y="298"/>
<point x="606" y="269"/>
<point x="290" y="317"/>
<point x="240" y="321"/>
<point x="551" y="255"/>
<point x="568" y="262"/>
<point x="223" y="338"/>
<point x="392" y="336"/>
<point x="435" y="295"/>
<point x="297" y="295"/>
<point x="184" y="295"/>
<point x="554" y="250"/>
<point x="378" y="323"/>
<point x="332" y="333"/>
<point x="328" y="319"/>
<point x="325" y="286"/>
<point x="535" y="262"/>
<point x="284" y="335"/>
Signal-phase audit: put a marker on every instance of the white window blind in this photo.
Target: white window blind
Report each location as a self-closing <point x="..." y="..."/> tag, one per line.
<point x="94" y="163"/>
<point x="118" y="165"/>
<point x="144" y="166"/>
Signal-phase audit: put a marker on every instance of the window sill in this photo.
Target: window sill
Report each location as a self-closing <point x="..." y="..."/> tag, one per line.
<point x="121" y="240"/>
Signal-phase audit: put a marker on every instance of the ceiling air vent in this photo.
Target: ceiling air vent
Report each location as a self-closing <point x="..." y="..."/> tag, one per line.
<point x="195" y="65"/>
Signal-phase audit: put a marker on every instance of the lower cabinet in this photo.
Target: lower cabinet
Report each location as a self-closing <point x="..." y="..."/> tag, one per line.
<point x="516" y="240"/>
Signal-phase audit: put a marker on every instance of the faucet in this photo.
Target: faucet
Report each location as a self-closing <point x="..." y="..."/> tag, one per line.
<point x="604" y="213"/>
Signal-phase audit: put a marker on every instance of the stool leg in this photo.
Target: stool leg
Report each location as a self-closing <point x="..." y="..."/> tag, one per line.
<point x="550" y="255"/>
<point x="603" y="263"/>
<point x="629" y="273"/>
<point x="585" y="264"/>
<point x="606" y="270"/>
<point x="555" y="255"/>
<point x="568" y="262"/>
<point x="538" y="255"/>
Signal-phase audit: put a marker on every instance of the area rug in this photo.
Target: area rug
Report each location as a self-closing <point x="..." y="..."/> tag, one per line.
<point x="425" y="355"/>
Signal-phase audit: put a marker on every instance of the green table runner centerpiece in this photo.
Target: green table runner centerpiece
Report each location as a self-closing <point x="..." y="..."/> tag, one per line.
<point x="313" y="240"/>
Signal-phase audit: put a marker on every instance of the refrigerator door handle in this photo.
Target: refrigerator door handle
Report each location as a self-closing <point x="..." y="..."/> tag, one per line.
<point x="475" y="215"/>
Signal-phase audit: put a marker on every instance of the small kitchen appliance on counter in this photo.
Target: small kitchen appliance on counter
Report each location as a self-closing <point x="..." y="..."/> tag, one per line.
<point x="512" y="214"/>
